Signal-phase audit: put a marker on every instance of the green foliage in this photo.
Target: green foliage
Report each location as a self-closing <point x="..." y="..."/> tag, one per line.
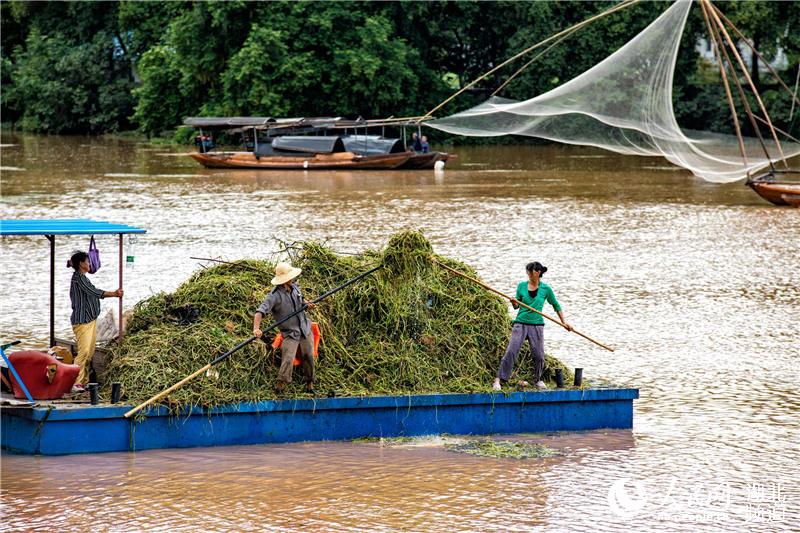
<point x="254" y="80"/>
<point x="61" y="88"/>
<point x="160" y="104"/>
<point x="150" y="64"/>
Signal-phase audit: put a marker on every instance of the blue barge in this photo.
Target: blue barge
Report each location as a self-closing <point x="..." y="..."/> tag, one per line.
<point x="53" y="429"/>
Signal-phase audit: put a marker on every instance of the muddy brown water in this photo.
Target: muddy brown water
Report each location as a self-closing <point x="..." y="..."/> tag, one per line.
<point x="695" y="284"/>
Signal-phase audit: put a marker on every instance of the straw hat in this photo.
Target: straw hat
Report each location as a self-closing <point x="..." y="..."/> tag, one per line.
<point x="284" y="272"/>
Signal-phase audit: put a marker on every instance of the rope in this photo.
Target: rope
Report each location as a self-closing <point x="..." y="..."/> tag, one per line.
<point x="617" y="7"/>
<point x="796" y="83"/>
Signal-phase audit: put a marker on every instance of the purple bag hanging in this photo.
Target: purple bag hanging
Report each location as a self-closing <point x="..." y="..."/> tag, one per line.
<point x="94" y="257"/>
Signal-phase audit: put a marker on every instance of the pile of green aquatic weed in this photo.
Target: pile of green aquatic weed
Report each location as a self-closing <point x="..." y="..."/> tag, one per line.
<point x="158" y="350"/>
<point x="411" y="327"/>
<point x="503" y="449"/>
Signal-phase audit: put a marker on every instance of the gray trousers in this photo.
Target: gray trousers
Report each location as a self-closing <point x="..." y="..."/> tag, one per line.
<point x="289" y="350"/>
<point x="535" y="336"/>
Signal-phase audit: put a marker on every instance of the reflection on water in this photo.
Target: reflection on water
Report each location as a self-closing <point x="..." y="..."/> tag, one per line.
<point x="693" y="283"/>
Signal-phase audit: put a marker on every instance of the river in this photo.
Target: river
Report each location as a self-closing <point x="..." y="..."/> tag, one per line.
<point x="694" y="284"/>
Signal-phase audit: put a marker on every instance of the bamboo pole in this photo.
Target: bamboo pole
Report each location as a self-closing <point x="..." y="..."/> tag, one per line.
<point x="722" y="73"/>
<point x="796" y="84"/>
<point x="753" y="48"/>
<point x="748" y="110"/>
<point x="244" y="343"/>
<point x="743" y="67"/>
<point x="787" y="135"/>
<point x="540" y="54"/>
<point x="624" y="4"/>
<point x="166" y="392"/>
<point x="529" y="308"/>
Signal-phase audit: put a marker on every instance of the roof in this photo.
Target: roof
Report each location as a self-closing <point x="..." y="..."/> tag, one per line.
<point x="273" y="123"/>
<point x="309" y="144"/>
<point x="72" y="226"/>
<point x="225" y="122"/>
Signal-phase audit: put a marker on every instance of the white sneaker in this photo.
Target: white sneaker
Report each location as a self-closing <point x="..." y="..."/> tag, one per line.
<point x="77" y="389"/>
<point x="496" y="386"/>
<point x="540" y="385"/>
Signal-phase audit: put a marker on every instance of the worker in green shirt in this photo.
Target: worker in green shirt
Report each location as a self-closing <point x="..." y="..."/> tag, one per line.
<point x="529" y="325"/>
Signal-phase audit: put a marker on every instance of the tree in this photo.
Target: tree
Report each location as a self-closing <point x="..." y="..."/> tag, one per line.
<point x="161" y="106"/>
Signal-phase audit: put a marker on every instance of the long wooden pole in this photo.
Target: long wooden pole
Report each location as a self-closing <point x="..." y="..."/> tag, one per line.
<point x="617" y="7"/>
<point x="244" y="343"/>
<point x="535" y="58"/>
<point x="529" y="308"/>
<point x="753" y="48"/>
<point x="743" y="67"/>
<point x="718" y="54"/>
<point x="787" y="135"/>
<point x="748" y="111"/>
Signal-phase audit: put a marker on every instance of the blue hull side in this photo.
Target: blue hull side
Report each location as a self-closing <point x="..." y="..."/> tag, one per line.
<point x="90" y="429"/>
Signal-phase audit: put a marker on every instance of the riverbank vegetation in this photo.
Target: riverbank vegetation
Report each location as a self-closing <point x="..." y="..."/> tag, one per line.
<point x="99" y="67"/>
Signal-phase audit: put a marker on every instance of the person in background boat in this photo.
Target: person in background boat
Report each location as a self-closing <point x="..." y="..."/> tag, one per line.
<point x="416" y="144"/>
<point x="204" y="142"/>
<point x="528" y="325"/>
<point x="247" y="141"/>
<point x="424" y="146"/>
<point x="282" y="301"/>
<point x="85" y="299"/>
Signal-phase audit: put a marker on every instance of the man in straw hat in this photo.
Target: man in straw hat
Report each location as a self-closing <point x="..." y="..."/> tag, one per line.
<point x="282" y="301"/>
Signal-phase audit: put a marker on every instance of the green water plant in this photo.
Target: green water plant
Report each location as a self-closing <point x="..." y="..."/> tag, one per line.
<point x="502" y="449"/>
<point x="409" y="328"/>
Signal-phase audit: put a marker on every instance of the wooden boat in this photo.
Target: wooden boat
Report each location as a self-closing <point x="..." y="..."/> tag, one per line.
<point x="377" y="144"/>
<point x="775" y="191"/>
<point x="332" y="161"/>
<point x="428" y="160"/>
<point x="274" y="144"/>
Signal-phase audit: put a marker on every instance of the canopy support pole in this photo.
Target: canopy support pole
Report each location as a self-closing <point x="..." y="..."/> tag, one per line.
<point x="120" y="330"/>
<point x="52" y="239"/>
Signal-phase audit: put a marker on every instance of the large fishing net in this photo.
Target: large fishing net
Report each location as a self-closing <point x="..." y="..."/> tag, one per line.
<point x="623" y="104"/>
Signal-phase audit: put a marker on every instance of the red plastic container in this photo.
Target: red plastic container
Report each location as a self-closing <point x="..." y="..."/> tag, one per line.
<point x="46" y="377"/>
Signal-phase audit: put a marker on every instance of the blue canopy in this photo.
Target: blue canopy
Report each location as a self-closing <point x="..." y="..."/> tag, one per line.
<point x="72" y="226"/>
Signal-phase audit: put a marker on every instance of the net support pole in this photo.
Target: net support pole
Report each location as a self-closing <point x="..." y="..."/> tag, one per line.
<point x="753" y="48"/>
<point x="748" y="110"/>
<point x="718" y="54"/>
<point x="752" y="85"/>
<point x="624" y="4"/>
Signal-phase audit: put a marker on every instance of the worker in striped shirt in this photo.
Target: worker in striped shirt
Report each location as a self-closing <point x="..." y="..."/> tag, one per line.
<point x="85" y="299"/>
